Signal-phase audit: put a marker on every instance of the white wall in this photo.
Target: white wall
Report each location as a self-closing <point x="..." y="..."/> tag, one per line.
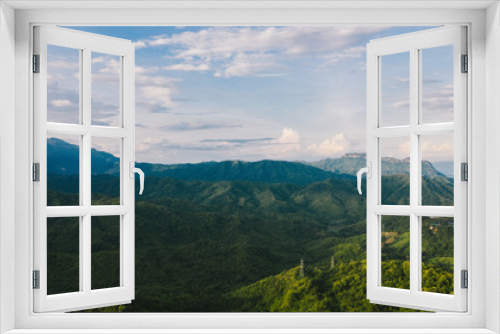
<point x="7" y="167"/>
<point x="492" y="164"/>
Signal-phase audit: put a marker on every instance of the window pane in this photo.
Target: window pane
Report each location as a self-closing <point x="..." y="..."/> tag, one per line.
<point x="63" y="85"/>
<point x="105" y="157"/>
<point x="106" y="89"/>
<point x="437" y="169"/>
<point x="63" y="255"/>
<point x="437" y="254"/>
<point x="395" y="89"/>
<point x="105" y="252"/>
<point x="395" y="243"/>
<point x="395" y="170"/>
<point x="63" y="170"/>
<point x="437" y="84"/>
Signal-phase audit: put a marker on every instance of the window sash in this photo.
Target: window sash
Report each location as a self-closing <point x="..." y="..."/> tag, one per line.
<point x="414" y="298"/>
<point x="86" y="297"/>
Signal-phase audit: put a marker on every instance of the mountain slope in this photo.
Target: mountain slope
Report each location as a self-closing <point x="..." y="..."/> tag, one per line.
<point x="63" y="158"/>
<point x="342" y="289"/>
<point x="268" y="171"/>
<point x="352" y="162"/>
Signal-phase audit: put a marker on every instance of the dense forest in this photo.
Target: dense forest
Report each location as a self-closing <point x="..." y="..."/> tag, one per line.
<point x="235" y="243"/>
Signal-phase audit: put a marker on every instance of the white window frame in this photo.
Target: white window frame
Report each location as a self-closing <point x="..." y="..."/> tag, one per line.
<point x="85" y="43"/>
<point x="413" y="43"/>
<point x="484" y="50"/>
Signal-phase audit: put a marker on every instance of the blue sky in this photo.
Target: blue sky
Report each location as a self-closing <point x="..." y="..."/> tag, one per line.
<point x="253" y="93"/>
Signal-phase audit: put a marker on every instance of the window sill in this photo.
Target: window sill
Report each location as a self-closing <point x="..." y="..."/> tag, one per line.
<point x="251" y="331"/>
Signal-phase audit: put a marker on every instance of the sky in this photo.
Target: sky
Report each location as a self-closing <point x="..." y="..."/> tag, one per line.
<point x="252" y="93"/>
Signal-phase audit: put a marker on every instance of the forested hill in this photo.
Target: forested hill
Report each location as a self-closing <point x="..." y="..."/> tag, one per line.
<point x="268" y="171"/>
<point x="322" y="289"/>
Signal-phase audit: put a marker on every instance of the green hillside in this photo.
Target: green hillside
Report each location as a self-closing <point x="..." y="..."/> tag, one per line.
<point x="341" y="289"/>
<point x="197" y="242"/>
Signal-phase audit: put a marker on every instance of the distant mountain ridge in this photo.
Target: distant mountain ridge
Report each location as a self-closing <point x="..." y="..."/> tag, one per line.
<point x="350" y="163"/>
<point x="63" y="159"/>
<point x="268" y="171"/>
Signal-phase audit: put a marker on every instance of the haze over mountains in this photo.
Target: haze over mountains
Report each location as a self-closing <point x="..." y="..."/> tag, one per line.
<point x="63" y="159"/>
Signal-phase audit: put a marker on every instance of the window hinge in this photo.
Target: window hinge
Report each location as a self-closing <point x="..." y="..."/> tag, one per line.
<point x="465" y="279"/>
<point x="36" y="172"/>
<point x="465" y="64"/>
<point x="36" y="279"/>
<point x="36" y="63"/>
<point x="464" y="171"/>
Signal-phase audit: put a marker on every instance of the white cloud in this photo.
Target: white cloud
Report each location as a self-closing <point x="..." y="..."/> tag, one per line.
<point x="106" y="65"/>
<point x="438" y="104"/>
<point x="61" y="103"/>
<point x="401" y="104"/>
<point x="348" y="53"/>
<point x="289" y="136"/>
<point x="404" y="148"/>
<point x="140" y="44"/>
<point x="64" y="64"/>
<point x="431" y="147"/>
<point x="154" y="92"/>
<point x="157" y="95"/>
<point x="97" y="60"/>
<point x="147" y="143"/>
<point x="331" y="146"/>
<point x="187" y="67"/>
<point x="251" y="64"/>
<point x="226" y="41"/>
<point x="144" y="70"/>
<point x="241" y="51"/>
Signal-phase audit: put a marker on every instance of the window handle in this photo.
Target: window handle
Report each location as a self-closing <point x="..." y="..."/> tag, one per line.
<point x="368" y="171"/>
<point x="134" y="170"/>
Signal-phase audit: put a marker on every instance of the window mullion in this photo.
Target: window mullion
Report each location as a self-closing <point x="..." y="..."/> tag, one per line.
<point x="85" y="167"/>
<point x="414" y="170"/>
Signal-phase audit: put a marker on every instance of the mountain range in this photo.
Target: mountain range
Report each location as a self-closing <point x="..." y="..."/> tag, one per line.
<point x="63" y="159"/>
<point x="350" y="163"/>
<point x="228" y="236"/>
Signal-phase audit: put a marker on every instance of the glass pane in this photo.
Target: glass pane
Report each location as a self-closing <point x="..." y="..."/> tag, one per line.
<point x="63" y="170"/>
<point x="437" y="84"/>
<point x="105" y="157"/>
<point x="395" y="243"/>
<point x="437" y="254"/>
<point x="437" y="169"/>
<point x="63" y="255"/>
<point x="63" y="85"/>
<point x="106" y="89"/>
<point x="395" y="170"/>
<point x="395" y="89"/>
<point x="105" y="252"/>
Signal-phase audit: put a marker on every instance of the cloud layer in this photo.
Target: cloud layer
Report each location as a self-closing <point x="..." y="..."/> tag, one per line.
<point x="257" y="51"/>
